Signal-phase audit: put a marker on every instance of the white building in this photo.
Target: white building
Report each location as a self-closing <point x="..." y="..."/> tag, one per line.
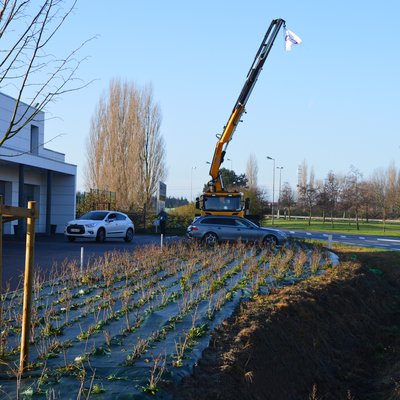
<point x="29" y="171"/>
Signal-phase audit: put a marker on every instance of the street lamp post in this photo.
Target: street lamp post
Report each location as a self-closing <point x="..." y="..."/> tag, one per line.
<point x="279" y="193"/>
<point x="273" y="187"/>
<point x="191" y="184"/>
<point x="228" y="159"/>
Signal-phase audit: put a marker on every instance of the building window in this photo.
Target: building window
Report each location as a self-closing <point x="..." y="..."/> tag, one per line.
<point x="34" y="139"/>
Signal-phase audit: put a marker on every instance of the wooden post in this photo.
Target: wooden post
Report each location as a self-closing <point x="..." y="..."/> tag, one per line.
<point x="1" y="261"/>
<point x="28" y="278"/>
<point x="1" y="251"/>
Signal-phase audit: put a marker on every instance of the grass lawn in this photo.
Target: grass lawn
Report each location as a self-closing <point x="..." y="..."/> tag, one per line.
<point x="366" y="228"/>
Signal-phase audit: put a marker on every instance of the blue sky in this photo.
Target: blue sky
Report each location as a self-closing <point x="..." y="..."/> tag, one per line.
<point x="333" y="101"/>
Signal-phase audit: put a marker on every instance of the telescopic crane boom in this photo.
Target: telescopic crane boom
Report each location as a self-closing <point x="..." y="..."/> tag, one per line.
<point x="216" y="200"/>
<point x="239" y="108"/>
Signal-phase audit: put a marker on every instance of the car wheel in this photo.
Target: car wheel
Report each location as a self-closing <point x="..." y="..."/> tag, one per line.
<point x="270" y="240"/>
<point x="101" y="235"/>
<point x="71" y="238"/>
<point x="129" y="236"/>
<point x="210" y="239"/>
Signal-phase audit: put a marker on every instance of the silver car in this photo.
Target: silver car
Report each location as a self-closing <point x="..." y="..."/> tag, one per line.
<point x="215" y="228"/>
<point x="101" y="225"/>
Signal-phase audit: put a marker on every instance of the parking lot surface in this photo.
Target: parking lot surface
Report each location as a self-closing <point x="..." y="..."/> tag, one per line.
<point x="51" y="250"/>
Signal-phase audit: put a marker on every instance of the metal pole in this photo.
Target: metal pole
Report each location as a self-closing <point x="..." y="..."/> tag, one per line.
<point x="161" y="240"/>
<point x="329" y="241"/>
<point x="28" y="278"/>
<point x="82" y="259"/>
<point x="273" y="194"/>
<point x="279" y="193"/>
<point x="273" y="187"/>
<point x="191" y="183"/>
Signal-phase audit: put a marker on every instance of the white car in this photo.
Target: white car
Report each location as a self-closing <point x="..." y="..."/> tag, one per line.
<point x="101" y="225"/>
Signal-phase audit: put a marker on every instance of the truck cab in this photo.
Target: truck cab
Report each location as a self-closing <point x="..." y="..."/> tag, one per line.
<point x="222" y="203"/>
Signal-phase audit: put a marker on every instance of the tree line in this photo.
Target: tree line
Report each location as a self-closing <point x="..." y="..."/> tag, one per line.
<point x="345" y="195"/>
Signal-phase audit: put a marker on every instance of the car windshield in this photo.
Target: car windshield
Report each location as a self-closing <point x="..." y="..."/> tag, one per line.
<point x="94" y="215"/>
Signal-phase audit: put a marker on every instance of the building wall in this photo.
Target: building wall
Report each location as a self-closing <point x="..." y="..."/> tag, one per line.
<point x="64" y="200"/>
<point x="22" y="141"/>
<point x="27" y="148"/>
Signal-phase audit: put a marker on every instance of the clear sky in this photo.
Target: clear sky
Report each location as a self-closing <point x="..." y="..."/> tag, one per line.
<point x="333" y="101"/>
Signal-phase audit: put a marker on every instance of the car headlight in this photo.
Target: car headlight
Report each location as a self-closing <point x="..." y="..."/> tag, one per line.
<point x="92" y="225"/>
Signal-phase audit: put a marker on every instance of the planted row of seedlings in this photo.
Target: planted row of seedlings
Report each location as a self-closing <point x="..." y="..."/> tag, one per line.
<point x="131" y="319"/>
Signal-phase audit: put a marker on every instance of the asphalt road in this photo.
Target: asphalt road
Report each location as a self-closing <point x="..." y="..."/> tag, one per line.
<point x="56" y="250"/>
<point x="51" y="250"/>
<point x="379" y="242"/>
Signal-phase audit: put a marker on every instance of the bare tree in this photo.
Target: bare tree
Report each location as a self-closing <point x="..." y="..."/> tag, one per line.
<point x="288" y="198"/>
<point x="302" y="183"/>
<point x="309" y="194"/>
<point x="125" y="149"/>
<point x="151" y="164"/>
<point x="393" y="190"/>
<point x="302" y="174"/>
<point x="380" y="187"/>
<point x="31" y="75"/>
<point x="353" y="193"/>
<point x="252" y="171"/>
<point x="329" y="195"/>
<point x="307" y="190"/>
<point x="112" y="142"/>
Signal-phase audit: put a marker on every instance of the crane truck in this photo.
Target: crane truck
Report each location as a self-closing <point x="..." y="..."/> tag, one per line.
<point x="216" y="200"/>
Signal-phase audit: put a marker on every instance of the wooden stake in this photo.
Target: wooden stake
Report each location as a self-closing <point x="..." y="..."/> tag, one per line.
<point x="1" y="251"/>
<point x="1" y="263"/>
<point x="28" y="278"/>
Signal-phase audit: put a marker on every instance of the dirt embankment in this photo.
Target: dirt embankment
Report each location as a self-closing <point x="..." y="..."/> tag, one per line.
<point x="330" y="337"/>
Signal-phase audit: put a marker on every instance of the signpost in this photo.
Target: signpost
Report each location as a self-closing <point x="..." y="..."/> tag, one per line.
<point x="31" y="214"/>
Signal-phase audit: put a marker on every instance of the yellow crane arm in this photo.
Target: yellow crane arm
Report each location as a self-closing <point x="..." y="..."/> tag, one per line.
<point x="229" y="129"/>
<point x="219" y="153"/>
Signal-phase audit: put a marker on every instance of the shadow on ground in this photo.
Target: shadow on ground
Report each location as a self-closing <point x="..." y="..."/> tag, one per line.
<point x="330" y="337"/>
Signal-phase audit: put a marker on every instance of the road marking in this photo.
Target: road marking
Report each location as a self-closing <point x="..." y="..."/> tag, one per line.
<point x="308" y="233"/>
<point x="389" y="240"/>
<point x="343" y="237"/>
<point x="361" y="237"/>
